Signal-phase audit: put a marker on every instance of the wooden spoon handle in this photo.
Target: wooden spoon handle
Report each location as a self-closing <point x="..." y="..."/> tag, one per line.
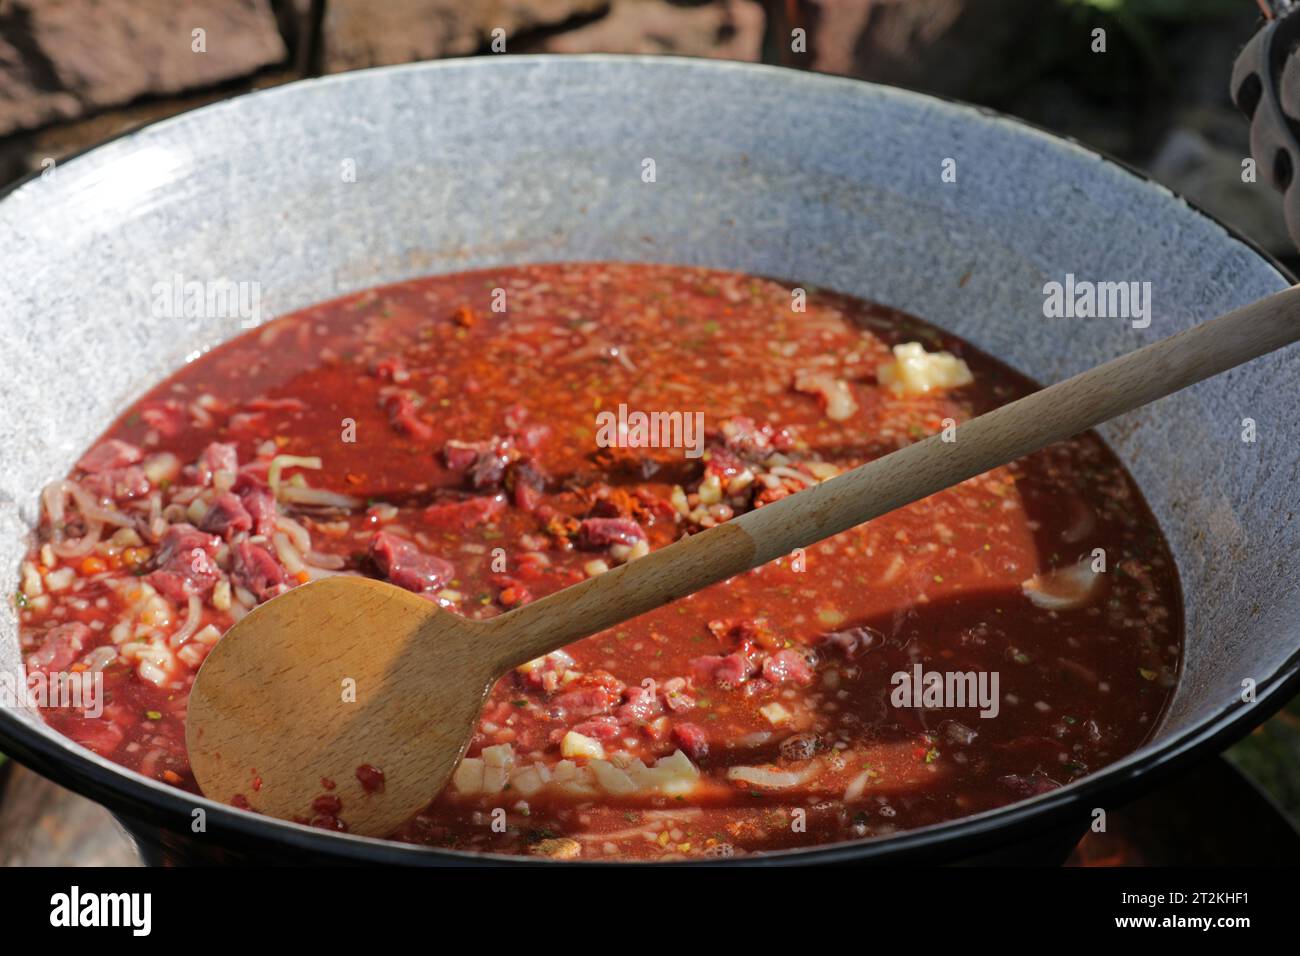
<point x="909" y="474"/>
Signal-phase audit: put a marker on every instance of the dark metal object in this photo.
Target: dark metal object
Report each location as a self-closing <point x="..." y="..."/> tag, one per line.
<point x="841" y="215"/>
<point x="1266" y="87"/>
<point x="1272" y="9"/>
<point x="1212" y="815"/>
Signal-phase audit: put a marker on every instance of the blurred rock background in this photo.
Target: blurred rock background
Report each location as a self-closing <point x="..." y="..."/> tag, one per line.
<point x="76" y="72"/>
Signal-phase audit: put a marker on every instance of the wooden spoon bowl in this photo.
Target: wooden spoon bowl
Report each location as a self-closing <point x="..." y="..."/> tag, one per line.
<point x="392" y="682"/>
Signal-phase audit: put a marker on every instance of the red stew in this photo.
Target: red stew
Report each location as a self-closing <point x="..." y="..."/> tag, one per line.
<point x="442" y="434"/>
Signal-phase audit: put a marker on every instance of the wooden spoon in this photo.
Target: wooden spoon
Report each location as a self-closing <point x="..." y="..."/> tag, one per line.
<point x="349" y="672"/>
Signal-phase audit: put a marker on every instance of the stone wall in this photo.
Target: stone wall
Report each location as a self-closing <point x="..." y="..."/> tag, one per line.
<point x="76" y="72"/>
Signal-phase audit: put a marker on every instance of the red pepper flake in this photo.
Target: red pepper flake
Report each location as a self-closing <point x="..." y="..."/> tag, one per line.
<point x="327" y="822"/>
<point x="257" y="784"/>
<point x="515" y="595"/>
<point x="327" y="804"/>
<point x="240" y="801"/>
<point x="327" y="783"/>
<point x="464" y="317"/>
<point x="372" y="778"/>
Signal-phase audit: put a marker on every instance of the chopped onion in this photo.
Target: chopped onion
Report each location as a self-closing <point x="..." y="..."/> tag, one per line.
<point x="60" y="579"/>
<point x="32" y="586"/>
<point x="55" y="496"/>
<point x="315" y="572"/>
<point x="209" y="635"/>
<point x="299" y="535"/>
<point x="1064" y="589"/>
<point x="837" y="397"/>
<point x="318" y="496"/>
<point x="773" y="779"/>
<point x="289" y="555"/>
<point x="280" y="462"/>
<point x="161" y="467"/>
<point x="79" y="547"/>
<point x="100" y="658"/>
<point x="856" y="786"/>
<point x="192" y="618"/>
<point x="781" y="471"/>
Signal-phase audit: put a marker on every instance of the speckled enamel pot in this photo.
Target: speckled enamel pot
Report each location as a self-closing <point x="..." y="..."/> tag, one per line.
<point x="466" y="164"/>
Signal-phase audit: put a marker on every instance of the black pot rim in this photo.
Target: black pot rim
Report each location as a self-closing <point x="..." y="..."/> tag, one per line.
<point x="143" y="801"/>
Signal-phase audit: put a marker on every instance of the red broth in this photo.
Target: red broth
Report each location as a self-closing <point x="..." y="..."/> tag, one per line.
<point x="456" y="424"/>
